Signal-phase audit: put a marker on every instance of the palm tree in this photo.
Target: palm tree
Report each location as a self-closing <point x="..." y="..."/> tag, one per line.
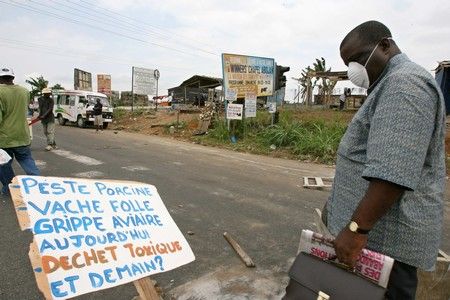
<point x="321" y="83"/>
<point x="57" y="87"/>
<point x="305" y="82"/>
<point x="37" y="85"/>
<point x="309" y="80"/>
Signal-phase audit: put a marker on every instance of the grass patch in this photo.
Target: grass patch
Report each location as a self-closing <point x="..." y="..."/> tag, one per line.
<point x="313" y="137"/>
<point x="119" y="113"/>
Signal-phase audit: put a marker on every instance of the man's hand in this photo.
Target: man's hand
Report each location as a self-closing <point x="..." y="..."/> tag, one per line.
<point x="348" y="245"/>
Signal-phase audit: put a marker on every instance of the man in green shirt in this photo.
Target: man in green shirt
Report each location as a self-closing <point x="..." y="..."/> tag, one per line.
<point x="14" y="131"/>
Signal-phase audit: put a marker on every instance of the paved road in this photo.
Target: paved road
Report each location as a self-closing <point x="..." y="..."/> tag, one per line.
<point x="259" y="200"/>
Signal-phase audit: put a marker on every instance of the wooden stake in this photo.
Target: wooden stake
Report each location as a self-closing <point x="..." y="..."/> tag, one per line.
<point x="146" y="289"/>
<point x="244" y="256"/>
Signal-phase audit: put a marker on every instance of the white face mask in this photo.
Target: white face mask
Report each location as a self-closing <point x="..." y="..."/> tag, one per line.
<point x="357" y="73"/>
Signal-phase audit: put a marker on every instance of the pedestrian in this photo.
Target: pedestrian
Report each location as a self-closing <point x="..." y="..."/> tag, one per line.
<point x="97" y="111"/>
<point x="390" y="171"/>
<point x="342" y="99"/>
<point x="47" y="117"/>
<point x="14" y="132"/>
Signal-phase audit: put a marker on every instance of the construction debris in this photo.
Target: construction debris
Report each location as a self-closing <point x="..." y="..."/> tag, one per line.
<point x="205" y="118"/>
<point x="318" y="183"/>
<point x="244" y="256"/>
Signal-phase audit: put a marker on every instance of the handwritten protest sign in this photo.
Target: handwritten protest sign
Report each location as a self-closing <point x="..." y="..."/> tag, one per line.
<point x="91" y="235"/>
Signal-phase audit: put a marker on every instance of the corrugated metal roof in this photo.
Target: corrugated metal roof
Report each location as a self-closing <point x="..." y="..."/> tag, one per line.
<point x="201" y="80"/>
<point x="443" y="64"/>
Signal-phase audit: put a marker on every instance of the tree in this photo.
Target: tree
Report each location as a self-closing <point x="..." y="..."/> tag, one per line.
<point x="309" y="80"/>
<point x="37" y="85"/>
<point x="305" y="82"/>
<point x="58" y="87"/>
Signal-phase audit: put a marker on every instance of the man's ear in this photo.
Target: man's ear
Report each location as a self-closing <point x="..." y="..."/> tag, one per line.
<point x="386" y="45"/>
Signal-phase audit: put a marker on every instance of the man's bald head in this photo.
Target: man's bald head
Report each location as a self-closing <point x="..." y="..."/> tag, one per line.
<point x="369" y="33"/>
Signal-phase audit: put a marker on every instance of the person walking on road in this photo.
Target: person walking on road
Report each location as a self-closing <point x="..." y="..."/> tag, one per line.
<point x="98" y="119"/>
<point x="47" y="117"/>
<point x="14" y="130"/>
<point x="388" y="190"/>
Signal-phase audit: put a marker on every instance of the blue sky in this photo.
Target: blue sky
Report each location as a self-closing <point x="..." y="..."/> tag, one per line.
<point x="183" y="38"/>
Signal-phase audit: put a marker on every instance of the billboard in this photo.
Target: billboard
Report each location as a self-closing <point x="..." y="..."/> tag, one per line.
<point x="144" y="81"/>
<point x="248" y="74"/>
<point x="82" y="80"/>
<point x="104" y="84"/>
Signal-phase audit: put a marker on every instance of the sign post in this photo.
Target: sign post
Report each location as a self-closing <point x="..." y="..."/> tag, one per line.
<point x="104" y="84"/>
<point x="90" y="235"/>
<point x="132" y="89"/>
<point x="244" y="74"/>
<point x="250" y="105"/>
<point x="143" y="81"/>
<point x="248" y="73"/>
<point x="156" y="74"/>
<point x="82" y="80"/>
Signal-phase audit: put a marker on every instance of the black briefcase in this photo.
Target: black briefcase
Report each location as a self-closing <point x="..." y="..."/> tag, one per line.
<point x="312" y="278"/>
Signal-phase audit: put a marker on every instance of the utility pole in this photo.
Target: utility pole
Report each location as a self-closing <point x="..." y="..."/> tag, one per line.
<point x="156" y="73"/>
<point x="132" y="89"/>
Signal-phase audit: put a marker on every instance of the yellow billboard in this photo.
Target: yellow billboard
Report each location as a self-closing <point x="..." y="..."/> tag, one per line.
<point x="104" y="84"/>
<point x="243" y="74"/>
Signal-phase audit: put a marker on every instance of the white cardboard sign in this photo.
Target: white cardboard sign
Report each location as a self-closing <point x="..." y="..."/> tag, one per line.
<point x="250" y="105"/>
<point x="96" y="234"/>
<point x="234" y="111"/>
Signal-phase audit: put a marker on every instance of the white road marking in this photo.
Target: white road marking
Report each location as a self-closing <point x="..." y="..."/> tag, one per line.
<point x="90" y="174"/>
<point x="178" y="163"/>
<point x="135" y="168"/>
<point x="40" y="163"/>
<point x="78" y="158"/>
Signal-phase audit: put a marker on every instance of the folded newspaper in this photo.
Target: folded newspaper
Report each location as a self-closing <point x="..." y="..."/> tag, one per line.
<point x="371" y="265"/>
<point x="4" y="157"/>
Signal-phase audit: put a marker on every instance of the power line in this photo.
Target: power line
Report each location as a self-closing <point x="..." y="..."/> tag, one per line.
<point x="87" y="55"/>
<point x="107" y="12"/>
<point x="32" y="49"/>
<point x="132" y="27"/>
<point x="75" y="21"/>
<point x="142" y="22"/>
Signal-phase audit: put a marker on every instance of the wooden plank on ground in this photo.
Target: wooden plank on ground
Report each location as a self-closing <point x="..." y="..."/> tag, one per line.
<point x="242" y="254"/>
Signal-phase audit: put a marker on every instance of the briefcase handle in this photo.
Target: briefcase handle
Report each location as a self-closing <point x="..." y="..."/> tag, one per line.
<point x="332" y="260"/>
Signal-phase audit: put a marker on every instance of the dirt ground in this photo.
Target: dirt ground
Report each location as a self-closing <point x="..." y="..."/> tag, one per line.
<point x="158" y="123"/>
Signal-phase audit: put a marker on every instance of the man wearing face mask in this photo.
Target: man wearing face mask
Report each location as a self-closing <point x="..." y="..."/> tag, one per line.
<point x="390" y="170"/>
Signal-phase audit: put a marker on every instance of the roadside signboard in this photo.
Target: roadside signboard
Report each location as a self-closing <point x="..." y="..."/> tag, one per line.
<point x="234" y="111"/>
<point x="247" y="73"/>
<point x="250" y="105"/>
<point x="272" y="107"/>
<point x="91" y="235"/>
<point x="104" y="84"/>
<point x="231" y="94"/>
<point x="144" y="81"/>
<point x="82" y="80"/>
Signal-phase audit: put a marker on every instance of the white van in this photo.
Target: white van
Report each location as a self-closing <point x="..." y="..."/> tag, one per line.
<point x="76" y="106"/>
